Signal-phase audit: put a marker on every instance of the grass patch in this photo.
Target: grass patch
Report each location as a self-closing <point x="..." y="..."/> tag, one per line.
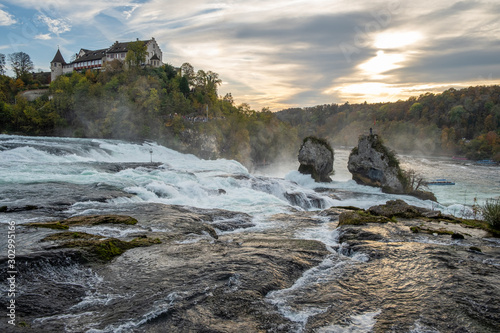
<point x="491" y="213"/>
<point x="477" y="224"/>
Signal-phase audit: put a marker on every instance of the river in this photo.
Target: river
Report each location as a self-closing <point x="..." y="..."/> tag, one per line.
<point x="380" y="279"/>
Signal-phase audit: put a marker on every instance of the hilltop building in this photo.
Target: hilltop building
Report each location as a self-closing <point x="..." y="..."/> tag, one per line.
<point x="96" y="59"/>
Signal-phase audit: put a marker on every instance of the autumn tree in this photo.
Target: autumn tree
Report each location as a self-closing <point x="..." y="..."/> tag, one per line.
<point x="21" y="64"/>
<point x="187" y="71"/>
<point x="229" y="98"/>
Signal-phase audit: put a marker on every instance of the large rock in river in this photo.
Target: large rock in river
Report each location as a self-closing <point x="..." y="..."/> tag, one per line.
<point x="371" y="163"/>
<point x="316" y="159"/>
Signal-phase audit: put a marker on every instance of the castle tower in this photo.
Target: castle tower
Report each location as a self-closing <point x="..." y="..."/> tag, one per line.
<point x="56" y="65"/>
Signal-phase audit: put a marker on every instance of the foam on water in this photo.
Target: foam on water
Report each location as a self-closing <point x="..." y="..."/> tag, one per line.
<point x="189" y="181"/>
<point x="160" y="306"/>
<point x="181" y="180"/>
<point x="419" y="327"/>
<point x="324" y="232"/>
<point x="330" y="269"/>
<point x="362" y="323"/>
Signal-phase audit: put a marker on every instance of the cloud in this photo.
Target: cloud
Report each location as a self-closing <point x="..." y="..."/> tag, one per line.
<point x="301" y="52"/>
<point x="6" y="19"/>
<point x="56" y="26"/>
<point x="128" y="13"/>
<point x="43" y="37"/>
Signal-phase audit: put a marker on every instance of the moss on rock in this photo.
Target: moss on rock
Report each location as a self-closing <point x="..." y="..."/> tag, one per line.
<point x="85" y="220"/>
<point x="100" y="219"/>
<point x="360" y="217"/>
<point x="69" y="236"/>
<point x="98" y="247"/>
<point x="57" y="225"/>
<point x="319" y="141"/>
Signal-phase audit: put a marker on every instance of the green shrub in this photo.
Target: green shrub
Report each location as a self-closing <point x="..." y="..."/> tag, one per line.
<point x="491" y="213"/>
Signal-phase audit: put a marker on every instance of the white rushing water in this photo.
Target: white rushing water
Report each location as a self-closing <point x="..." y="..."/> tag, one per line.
<point x="183" y="179"/>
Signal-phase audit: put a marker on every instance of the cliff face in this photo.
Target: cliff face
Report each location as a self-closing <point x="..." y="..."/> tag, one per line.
<point x="371" y="163"/>
<point x="200" y="144"/>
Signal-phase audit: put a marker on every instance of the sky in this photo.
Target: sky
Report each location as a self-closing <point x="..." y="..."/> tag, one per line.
<point x="281" y="53"/>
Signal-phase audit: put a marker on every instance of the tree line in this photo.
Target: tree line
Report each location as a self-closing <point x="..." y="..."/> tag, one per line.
<point x="463" y="122"/>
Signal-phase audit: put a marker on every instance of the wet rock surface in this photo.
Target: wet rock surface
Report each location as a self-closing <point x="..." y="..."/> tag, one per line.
<point x="423" y="280"/>
<point x="194" y="279"/>
<point x="54" y="197"/>
<point x="214" y="271"/>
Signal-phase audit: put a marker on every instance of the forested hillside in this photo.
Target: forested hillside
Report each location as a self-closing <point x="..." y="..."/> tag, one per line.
<point x="183" y="112"/>
<point x="456" y="122"/>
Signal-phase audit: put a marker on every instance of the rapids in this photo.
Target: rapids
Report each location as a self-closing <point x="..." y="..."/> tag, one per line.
<point x="240" y="251"/>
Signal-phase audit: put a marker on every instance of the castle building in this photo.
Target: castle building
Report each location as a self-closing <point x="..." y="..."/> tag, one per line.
<point x="96" y="59"/>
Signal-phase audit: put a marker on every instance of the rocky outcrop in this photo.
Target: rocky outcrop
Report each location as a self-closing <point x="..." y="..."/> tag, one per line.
<point x="359" y="218"/>
<point x="316" y="159"/>
<point x="371" y="163"/>
<point x="399" y="208"/>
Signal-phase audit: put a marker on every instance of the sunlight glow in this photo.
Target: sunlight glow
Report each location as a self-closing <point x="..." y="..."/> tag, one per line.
<point x="381" y="63"/>
<point x="394" y="40"/>
<point x="368" y="91"/>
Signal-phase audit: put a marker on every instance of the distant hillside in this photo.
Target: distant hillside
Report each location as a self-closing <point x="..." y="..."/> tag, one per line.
<point x="456" y="122"/>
